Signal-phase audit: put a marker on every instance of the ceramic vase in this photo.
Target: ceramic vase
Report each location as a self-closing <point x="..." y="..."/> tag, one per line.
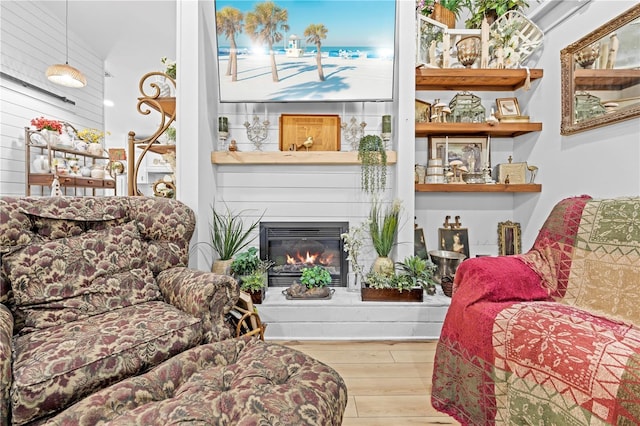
<point x="41" y="164"/>
<point x="383" y="265"/>
<point x="468" y="50"/>
<point x="95" y="149"/>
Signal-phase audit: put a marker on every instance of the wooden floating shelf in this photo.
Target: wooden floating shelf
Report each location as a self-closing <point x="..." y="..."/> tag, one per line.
<point x="473" y="79"/>
<point x="469" y="187"/>
<point x="480" y="129"/>
<point x="291" y="157"/>
<point x="591" y="79"/>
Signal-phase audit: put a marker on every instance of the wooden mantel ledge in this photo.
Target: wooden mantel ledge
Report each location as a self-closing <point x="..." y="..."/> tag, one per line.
<point x="291" y="157"/>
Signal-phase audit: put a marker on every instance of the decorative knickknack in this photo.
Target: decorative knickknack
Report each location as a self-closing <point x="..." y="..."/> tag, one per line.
<point x="372" y="155"/>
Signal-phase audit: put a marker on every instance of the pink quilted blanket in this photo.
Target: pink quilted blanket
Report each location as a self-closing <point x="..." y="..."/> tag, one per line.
<point x="532" y="339"/>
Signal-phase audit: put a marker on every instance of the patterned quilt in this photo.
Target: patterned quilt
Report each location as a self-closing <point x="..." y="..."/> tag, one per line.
<point x="550" y="337"/>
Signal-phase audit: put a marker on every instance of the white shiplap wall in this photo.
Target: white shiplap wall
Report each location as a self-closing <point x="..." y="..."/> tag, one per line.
<point x="31" y="40"/>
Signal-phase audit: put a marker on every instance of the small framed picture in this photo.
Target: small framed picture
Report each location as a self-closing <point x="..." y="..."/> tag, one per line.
<point x="508" y="107"/>
<point x="454" y="239"/>
<point x="423" y="111"/>
<point x="472" y="151"/>
<point x="419" y="244"/>
<point x="509" y="238"/>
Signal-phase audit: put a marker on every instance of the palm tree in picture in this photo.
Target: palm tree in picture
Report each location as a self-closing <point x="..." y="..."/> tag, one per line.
<point x="263" y="25"/>
<point x="315" y="33"/>
<point x="229" y="22"/>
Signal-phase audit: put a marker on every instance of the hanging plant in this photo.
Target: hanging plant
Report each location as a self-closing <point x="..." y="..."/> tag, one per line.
<point x="373" y="157"/>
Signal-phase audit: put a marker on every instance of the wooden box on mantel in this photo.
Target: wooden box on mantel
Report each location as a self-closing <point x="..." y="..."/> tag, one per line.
<point x="295" y="129"/>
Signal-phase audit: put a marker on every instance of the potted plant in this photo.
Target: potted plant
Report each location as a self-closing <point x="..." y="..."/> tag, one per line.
<point x="251" y="273"/>
<point x="383" y="226"/>
<point x="444" y="11"/>
<point x="353" y="241"/>
<point x="372" y="155"/>
<point x="228" y="236"/>
<point x="95" y="138"/>
<point x="313" y="284"/>
<point x="414" y="275"/>
<point x="492" y="9"/>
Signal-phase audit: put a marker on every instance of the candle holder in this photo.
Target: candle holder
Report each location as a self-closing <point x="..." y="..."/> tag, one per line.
<point x="386" y="128"/>
<point x="257" y="132"/>
<point x="353" y="132"/>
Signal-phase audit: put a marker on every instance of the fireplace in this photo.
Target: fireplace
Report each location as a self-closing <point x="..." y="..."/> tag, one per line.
<point x="292" y="246"/>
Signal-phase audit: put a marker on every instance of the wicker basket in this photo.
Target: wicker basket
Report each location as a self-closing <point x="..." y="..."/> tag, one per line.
<point x="444" y="15"/>
<point x="447" y="286"/>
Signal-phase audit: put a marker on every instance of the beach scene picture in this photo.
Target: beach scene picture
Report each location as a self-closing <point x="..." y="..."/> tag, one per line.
<point x="305" y="50"/>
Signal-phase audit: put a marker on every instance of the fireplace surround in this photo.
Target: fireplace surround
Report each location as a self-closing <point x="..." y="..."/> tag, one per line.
<point x="292" y="246"/>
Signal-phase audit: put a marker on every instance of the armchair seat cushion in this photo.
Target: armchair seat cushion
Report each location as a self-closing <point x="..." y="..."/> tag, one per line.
<point x="64" y="363"/>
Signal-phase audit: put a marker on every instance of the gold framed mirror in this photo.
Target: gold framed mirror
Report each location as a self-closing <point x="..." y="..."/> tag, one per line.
<point x="509" y="238"/>
<point x="601" y="75"/>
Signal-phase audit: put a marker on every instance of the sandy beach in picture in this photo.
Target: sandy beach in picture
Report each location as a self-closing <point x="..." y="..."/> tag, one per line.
<point x="345" y="79"/>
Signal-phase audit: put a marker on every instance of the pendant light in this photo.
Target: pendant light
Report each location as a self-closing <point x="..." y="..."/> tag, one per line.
<point x="65" y="74"/>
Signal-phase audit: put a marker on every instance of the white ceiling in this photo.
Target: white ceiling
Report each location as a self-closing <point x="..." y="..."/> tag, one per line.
<point x="109" y="26"/>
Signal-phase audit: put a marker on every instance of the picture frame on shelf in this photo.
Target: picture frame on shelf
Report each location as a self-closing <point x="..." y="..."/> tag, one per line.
<point x="296" y="129"/>
<point x="509" y="238"/>
<point x="420" y="244"/>
<point x="454" y="239"/>
<point x="423" y="111"/>
<point x="508" y="107"/>
<point x="471" y="150"/>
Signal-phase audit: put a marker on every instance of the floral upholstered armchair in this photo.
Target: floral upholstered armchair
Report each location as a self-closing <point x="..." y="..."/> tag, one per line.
<point x="93" y="291"/>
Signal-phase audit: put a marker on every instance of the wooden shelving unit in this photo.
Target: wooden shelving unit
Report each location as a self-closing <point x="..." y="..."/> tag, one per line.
<point x="606" y="79"/>
<point x="291" y="157"/>
<point x="497" y="187"/>
<point x="479" y="129"/>
<point x="473" y="79"/>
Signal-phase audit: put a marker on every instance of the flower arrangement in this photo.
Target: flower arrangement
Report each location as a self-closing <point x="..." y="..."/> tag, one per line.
<point x="45" y="124"/>
<point x="170" y="67"/>
<point x="92" y="135"/>
<point x="353" y="241"/>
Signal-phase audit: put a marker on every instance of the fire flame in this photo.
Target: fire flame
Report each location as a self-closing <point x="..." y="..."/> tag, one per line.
<point x="309" y="259"/>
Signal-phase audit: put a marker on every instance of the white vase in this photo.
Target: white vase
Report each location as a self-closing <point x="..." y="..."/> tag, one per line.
<point x="95" y="149"/>
<point x="41" y="164"/>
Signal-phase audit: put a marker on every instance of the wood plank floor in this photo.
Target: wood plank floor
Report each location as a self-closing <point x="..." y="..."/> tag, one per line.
<point x="389" y="382"/>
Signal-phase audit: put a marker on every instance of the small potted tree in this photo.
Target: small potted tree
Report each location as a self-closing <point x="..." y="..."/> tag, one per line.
<point x="383" y="226"/>
<point x="313" y="284"/>
<point x="251" y="273"/>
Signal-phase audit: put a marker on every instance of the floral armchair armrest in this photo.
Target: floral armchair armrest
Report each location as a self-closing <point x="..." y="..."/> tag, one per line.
<point x="6" y="331"/>
<point x="204" y="295"/>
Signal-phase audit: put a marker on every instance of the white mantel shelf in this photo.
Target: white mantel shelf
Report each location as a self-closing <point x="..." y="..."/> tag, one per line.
<point x="291" y="157"/>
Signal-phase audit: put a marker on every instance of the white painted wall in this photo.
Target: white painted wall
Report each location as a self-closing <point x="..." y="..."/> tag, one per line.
<point x="601" y="162"/>
<point x="31" y="40"/>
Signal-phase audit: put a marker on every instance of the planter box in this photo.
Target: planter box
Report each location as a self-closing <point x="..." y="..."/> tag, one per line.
<point x="257" y="296"/>
<point x="391" y="295"/>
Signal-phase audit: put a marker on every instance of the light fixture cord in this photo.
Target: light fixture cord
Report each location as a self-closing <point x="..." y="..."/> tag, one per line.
<point x="66" y="29"/>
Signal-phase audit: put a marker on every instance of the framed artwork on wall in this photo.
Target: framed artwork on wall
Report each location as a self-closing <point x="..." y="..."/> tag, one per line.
<point x="305" y="50"/>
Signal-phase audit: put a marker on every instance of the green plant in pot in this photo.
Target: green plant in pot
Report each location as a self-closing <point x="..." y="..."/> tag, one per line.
<point x="492" y="9"/>
<point x="313" y="283"/>
<point x="383" y="227"/>
<point x="229" y="235"/>
<point x="417" y="272"/>
<point x="372" y="155"/>
<point x="251" y="273"/>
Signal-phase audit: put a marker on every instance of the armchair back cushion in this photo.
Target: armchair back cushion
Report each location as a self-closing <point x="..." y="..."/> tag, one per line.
<point x="588" y="256"/>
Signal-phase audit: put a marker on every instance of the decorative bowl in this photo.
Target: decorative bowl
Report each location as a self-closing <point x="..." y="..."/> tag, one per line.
<point x="446" y="262"/>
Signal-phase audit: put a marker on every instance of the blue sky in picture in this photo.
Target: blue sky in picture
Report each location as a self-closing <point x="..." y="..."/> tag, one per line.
<point x="350" y="23"/>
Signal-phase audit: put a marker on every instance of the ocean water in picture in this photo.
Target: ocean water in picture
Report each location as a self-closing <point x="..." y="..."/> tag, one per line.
<point x="275" y="55"/>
